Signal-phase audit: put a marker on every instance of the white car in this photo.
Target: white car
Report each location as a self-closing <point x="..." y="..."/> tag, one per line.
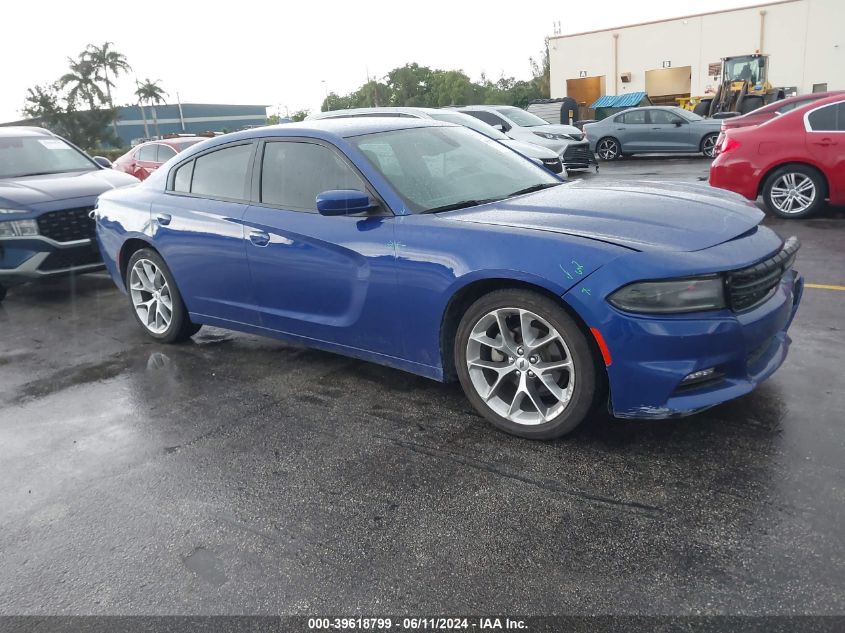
<point x="548" y="158"/>
<point x="567" y="140"/>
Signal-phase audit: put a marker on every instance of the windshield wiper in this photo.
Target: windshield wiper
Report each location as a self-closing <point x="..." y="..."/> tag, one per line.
<point x="463" y="204"/>
<point x="534" y="188"/>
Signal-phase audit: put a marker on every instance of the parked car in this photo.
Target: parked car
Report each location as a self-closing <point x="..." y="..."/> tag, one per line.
<point x="566" y="140"/>
<point x="145" y="158"/>
<point x="541" y="155"/>
<point x="794" y="161"/>
<point x="430" y="248"/>
<point x="761" y="115"/>
<point x="656" y="129"/>
<point x="47" y="189"/>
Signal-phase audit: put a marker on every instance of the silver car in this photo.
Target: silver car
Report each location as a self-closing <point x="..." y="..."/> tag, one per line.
<point x="521" y="125"/>
<point x="653" y="129"/>
<point x="545" y="157"/>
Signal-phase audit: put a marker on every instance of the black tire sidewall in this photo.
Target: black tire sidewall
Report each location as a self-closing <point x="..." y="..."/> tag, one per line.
<point x="818" y="181"/>
<point x="179" y="323"/>
<point x="582" y="355"/>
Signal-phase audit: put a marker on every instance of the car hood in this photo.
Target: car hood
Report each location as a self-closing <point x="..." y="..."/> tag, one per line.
<point x="644" y="216"/>
<point x="34" y="190"/>
<point x="529" y="149"/>
<point x="557" y="128"/>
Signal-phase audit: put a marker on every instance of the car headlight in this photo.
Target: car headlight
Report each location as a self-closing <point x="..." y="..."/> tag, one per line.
<point x="550" y="136"/>
<point x="18" y="228"/>
<point x="671" y="296"/>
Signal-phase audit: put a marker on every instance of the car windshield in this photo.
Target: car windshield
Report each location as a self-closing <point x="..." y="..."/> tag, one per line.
<point x="471" y="122"/>
<point x="36" y="155"/>
<point x="522" y="118"/>
<point x="689" y="116"/>
<point x="443" y="168"/>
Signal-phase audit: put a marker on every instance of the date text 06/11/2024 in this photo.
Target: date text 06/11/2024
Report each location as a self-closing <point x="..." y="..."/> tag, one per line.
<point x="417" y="624"/>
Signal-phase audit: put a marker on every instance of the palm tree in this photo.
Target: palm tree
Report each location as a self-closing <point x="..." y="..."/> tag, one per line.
<point x="153" y="94"/>
<point x="83" y="81"/>
<point x="106" y="59"/>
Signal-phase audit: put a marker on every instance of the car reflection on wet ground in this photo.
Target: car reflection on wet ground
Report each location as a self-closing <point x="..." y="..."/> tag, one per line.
<point x="235" y="474"/>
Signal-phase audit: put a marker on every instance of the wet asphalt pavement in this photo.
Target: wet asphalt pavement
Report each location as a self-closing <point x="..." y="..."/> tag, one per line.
<point x="235" y="475"/>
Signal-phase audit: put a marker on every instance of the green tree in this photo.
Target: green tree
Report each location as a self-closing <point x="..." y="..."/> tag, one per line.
<point x="542" y="72"/>
<point x="153" y="94"/>
<point x="107" y="60"/>
<point x="82" y="79"/>
<point x="87" y="129"/>
<point x="299" y="115"/>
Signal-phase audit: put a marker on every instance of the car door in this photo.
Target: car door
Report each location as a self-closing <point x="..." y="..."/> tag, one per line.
<point x="197" y="226"/>
<point x="825" y="141"/>
<point x="668" y="132"/>
<point x="322" y="278"/>
<point x="631" y="130"/>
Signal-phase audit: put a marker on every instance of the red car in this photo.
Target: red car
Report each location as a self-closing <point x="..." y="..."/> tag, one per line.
<point x="794" y="161"/>
<point x="766" y="113"/>
<point x="144" y="159"/>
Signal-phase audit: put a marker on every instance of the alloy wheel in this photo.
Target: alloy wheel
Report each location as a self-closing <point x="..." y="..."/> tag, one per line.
<point x="151" y="296"/>
<point x="608" y="149"/>
<point x="520" y="365"/>
<point x="793" y="193"/>
<point x="708" y="147"/>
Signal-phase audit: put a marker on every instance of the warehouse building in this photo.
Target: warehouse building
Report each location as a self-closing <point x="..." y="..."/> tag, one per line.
<point x="173" y="118"/>
<point x="680" y="57"/>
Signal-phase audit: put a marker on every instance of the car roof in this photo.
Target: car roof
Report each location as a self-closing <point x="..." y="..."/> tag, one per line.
<point x="332" y="130"/>
<point x="812" y="105"/>
<point x="173" y="142"/>
<point x="24" y="130"/>
<point x="809" y="97"/>
<point x="350" y="112"/>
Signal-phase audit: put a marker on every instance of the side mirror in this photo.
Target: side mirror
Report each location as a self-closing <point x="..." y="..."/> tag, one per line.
<point x="102" y="161"/>
<point x="502" y="127"/>
<point x="343" y="202"/>
<point x="678" y="123"/>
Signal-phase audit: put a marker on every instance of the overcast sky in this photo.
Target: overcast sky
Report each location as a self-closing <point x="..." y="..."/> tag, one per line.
<point x="279" y="53"/>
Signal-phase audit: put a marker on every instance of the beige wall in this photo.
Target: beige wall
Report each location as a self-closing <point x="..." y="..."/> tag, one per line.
<point x="804" y="38"/>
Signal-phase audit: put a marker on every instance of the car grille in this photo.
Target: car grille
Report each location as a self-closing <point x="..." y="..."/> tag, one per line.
<point x="749" y="287"/>
<point x="67" y="225"/>
<point x="71" y="258"/>
<point x="553" y="165"/>
<point x="577" y="154"/>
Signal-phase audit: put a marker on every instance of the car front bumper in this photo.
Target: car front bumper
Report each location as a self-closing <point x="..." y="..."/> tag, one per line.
<point x="743" y="349"/>
<point x="25" y="259"/>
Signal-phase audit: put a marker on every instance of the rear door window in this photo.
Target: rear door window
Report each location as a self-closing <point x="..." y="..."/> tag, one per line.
<point x="165" y="153"/>
<point x="830" y="118"/>
<point x="222" y="173"/>
<point x="148" y="153"/>
<point x="634" y="117"/>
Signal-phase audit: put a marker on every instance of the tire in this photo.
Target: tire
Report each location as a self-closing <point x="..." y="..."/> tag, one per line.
<point x="702" y="108"/>
<point x="708" y="145"/>
<point x="751" y="103"/>
<point x="531" y="394"/>
<point x="794" y="179"/>
<point x="608" y="148"/>
<point x="151" y="284"/>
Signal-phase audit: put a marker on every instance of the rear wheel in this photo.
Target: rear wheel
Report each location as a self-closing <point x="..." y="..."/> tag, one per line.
<point x="708" y="145"/>
<point x="751" y="103"/>
<point x="608" y="148"/>
<point x="794" y="191"/>
<point x="525" y="364"/>
<point x="155" y="299"/>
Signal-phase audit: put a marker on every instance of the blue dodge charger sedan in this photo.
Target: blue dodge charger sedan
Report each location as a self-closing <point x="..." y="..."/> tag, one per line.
<point x="429" y="248"/>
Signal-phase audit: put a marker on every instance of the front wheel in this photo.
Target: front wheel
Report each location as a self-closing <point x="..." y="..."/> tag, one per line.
<point x="608" y="149"/>
<point x="708" y="145"/>
<point x="525" y="364"/>
<point x="155" y="299"/>
<point x="794" y="191"/>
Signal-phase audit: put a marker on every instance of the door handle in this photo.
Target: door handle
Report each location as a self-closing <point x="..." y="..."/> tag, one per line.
<point x="259" y="238"/>
<point x="164" y="219"/>
<point x="825" y="142"/>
